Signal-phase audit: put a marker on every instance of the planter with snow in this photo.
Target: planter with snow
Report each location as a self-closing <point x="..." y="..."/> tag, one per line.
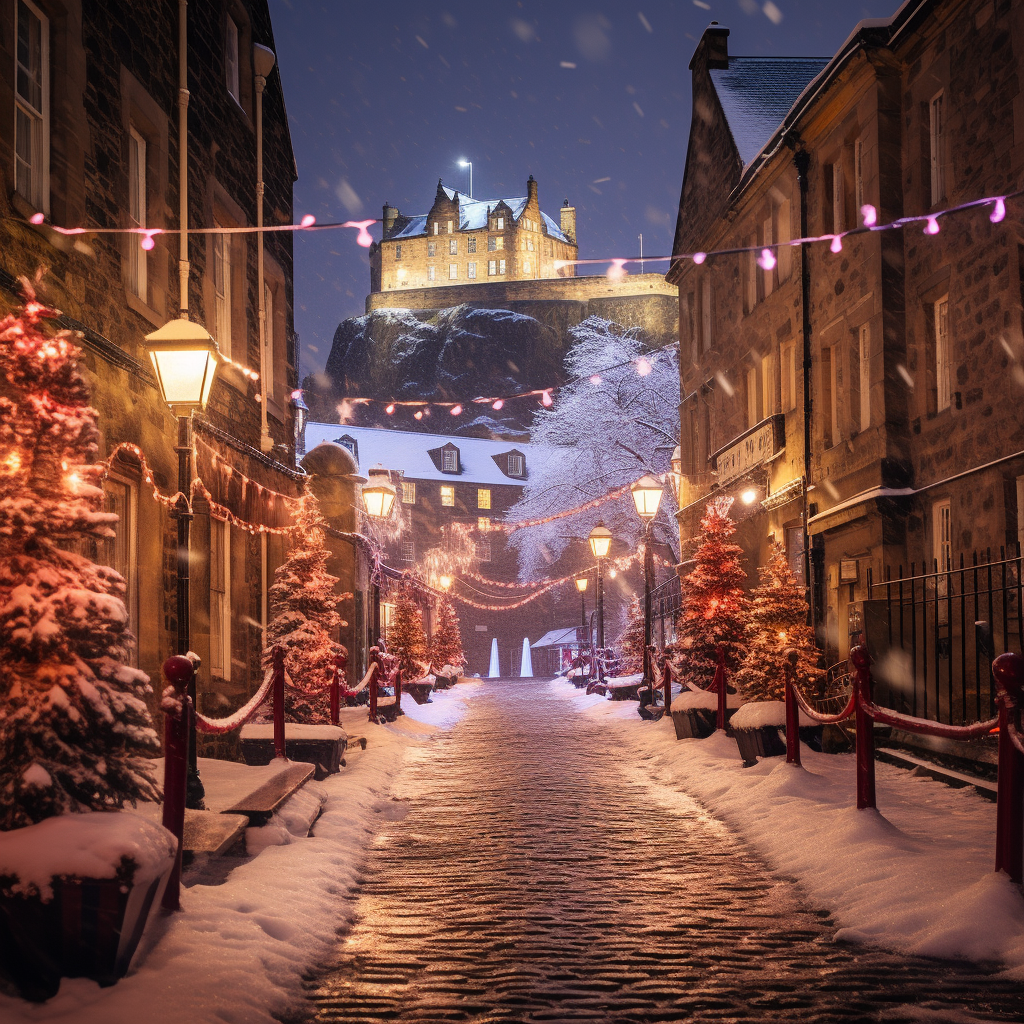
<point x="322" y="746"/>
<point x="76" y="891"/>
<point x="694" y="713"/>
<point x="756" y="727"/>
<point x="624" y="687"/>
<point x="419" y="689"/>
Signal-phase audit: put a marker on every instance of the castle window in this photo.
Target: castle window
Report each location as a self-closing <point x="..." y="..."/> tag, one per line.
<point x="430" y="273"/>
<point x="501" y="266"/>
<point x="431" y="248"/>
<point x="398" y="252"/>
<point x="501" y="223"/>
<point x="436" y="227"/>
<point x="471" y="271"/>
<point x="492" y="268"/>
<point x="453" y="247"/>
<point x="408" y="493"/>
<point x="483" y="497"/>
<point x="449" y="227"/>
<point x="453" y="271"/>
<point x="500" y="242"/>
<point x="492" y="243"/>
<point x="472" y="244"/>
<point x="447" y="496"/>
<point x="31" y="107"/>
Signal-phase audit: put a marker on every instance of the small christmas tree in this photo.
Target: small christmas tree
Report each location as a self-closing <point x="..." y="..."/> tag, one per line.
<point x="630" y="642"/>
<point x="305" y="604"/>
<point x="715" y="608"/>
<point x="778" y="622"/>
<point x="75" y="730"/>
<point x="446" y="643"/>
<point x="407" y="639"/>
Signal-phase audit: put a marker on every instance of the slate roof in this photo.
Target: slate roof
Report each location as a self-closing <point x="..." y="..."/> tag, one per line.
<point x="473" y="216"/>
<point x="565" y="637"/>
<point x="756" y="93"/>
<point x="407" y="450"/>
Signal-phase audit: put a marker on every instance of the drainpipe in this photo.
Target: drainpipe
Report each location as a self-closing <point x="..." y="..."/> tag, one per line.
<point x="183" y="267"/>
<point x="802" y="159"/>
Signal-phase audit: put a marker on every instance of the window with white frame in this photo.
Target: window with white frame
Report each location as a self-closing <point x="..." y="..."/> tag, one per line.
<point x="864" y="375"/>
<point x="453" y="247"/>
<point x="449" y="227"/>
<point x="231" y="60"/>
<point x="447" y="496"/>
<point x="437" y="227"/>
<point x="453" y="271"/>
<point x="431" y="248"/>
<point x="942" y="544"/>
<point x="787" y="357"/>
<point x="483" y="497"/>
<point x="220" y="599"/>
<point x="471" y="244"/>
<point x="515" y="465"/>
<point x="431" y="275"/>
<point x="501" y="223"/>
<point x="222" y="290"/>
<point x="937" y="145"/>
<point x="137" y="283"/>
<point x="482" y="549"/>
<point x="492" y="268"/>
<point x="449" y="461"/>
<point x="471" y="270"/>
<point x="941" y="328"/>
<point x="31" y="106"/>
<point x="408" y="492"/>
<point x="501" y="266"/>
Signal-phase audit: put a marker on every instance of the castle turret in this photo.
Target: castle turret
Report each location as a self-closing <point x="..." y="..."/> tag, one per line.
<point x="567" y="221"/>
<point x="531" y="190"/>
<point x="389" y="217"/>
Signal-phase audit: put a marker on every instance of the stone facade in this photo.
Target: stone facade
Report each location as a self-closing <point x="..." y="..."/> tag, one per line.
<point x="910" y="342"/>
<point x="467" y="240"/>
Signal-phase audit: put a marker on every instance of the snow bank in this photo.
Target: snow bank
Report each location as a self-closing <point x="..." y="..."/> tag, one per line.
<point x="755" y="714"/>
<point x="91" y="844"/>
<point x="915" y="876"/>
<point x="238" y="951"/>
<point x="702" y="699"/>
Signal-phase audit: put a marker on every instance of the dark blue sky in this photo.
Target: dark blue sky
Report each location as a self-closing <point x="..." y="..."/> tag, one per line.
<point x="385" y="97"/>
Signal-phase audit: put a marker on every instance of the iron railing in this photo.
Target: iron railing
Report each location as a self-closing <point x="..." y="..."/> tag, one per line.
<point x="666" y="600"/>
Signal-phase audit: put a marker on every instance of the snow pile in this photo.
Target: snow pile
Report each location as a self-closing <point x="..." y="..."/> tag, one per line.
<point x="758" y="713"/>
<point x="92" y="844"/>
<point x="293" y="731"/>
<point x="238" y="952"/>
<point x="694" y="699"/>
<point x="291" y="821"/>
<point x="915" y="876"/>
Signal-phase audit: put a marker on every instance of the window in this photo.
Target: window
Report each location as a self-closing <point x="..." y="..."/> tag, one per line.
<point x="471" y="271"/>
<point x="220" y="599"/>
<point x="788" y="360"/>
<point x="231" y="61"/>
<point x="222" y="290"/>
<point x="436" y="227"/>
<point x="408" y="493"/>
<point x="784" y="231"/>
<point x="492" y="243"/>
<point x="408" y="551"/>
<point x="447" y="496"/>
<point x="937" y="142"/>
<point x="453" y="271"/>
<point x="687" y="314"/>
<point x="515" y="465"/>
<point x="831" y="381"/>
<point x="449" y="461"/>
<point x="430" y="273"/>
<point x="769" y="275"/>
<point x="529" y="245"/>
<point x="398" y="252"/>
<point x="942" y="353"/>
<point x="471" y="245"/>
<point x="431" y="248"/>
<point x="501" y="266"/>
<point x="31" y="107"/>
<point x="838" y="198"/>
<point x="453" y="247"/>
<point x="492" y="268"/>
<point x="795" y="551"/>
<point x="750" y="269"/>
<point x="706" y="299"/>
<point x="483" y="497"/>
<point x="526" y="266"/>
<point x="767" y="385"/>
<point x="862" y="377"/>
<point x="482" y="549"/>
<point x="753" y="398"/>
<point x="136" y="212"/>
<point x="449" y="227"/>
<point x="483" y="523"/>
<point x="942" y="548"/>
<point x="501" y="224"/>
<point x="858" y="176"/>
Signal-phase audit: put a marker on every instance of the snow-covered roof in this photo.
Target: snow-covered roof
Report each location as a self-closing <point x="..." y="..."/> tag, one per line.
<point x="473" y="216"/>
<point x="408" y="451"/>
<point x="756" y="93"/>
<point x="558" y="638"/>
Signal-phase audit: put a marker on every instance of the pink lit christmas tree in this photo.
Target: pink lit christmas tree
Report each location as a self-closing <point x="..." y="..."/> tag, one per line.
<point x="446" y="643"/>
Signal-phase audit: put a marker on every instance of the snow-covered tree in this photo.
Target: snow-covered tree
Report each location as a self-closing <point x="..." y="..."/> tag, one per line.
<point x="615" y="420"/>
<point x="715" y="607"/>
<point x="407" y="640"/>
<point x="778" y="622"/>
<point x="630" y="642"/>
<point x="446" y="643"/>
<point x="75" y="731"/>
<point x="304" y="606"/>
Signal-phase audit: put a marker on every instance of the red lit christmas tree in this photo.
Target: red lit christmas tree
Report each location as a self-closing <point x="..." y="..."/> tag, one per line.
<point x="715" y="608"/>
<point x="630" y="642"/>
<point x="407" y="639"/>
<point x="778" y="622"/>
<point x="304" y="604"/>
<point x="446" y="643"/>
<point x="75" y="731"/>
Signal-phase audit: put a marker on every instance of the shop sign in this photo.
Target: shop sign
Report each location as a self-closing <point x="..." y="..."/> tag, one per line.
<point x="753" y="449"/>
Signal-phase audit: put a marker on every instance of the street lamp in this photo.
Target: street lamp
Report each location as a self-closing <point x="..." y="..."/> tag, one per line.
<point x="445" y="581"/>
<point x="378" y="498"/>
<point x="185" y="359"/>
<point x="581" y="586"/>
<point x="600" y="540"/>
<point x="647" y="497"/>
<point x="469" y="164"/>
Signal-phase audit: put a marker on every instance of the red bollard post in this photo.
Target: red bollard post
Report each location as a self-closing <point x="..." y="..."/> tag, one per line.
<point x="666" y="679"/>
<point x="340" y="663"/>
<point x="1008" y="672"/>
<point x="279" y="747"/>
<point x="719" y="682"/>
<point x="398" y="691"/>
<point x="178" y="672"/>
<point x="865" y="728"/>
<point x="375" y="673"/>
<point x="792" y="710"/>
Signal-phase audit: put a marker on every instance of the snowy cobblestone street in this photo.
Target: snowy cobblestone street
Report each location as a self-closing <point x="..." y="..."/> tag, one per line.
<point x="529" y="874"/>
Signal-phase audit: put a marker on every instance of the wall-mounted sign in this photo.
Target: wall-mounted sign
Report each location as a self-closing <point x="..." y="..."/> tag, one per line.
<point x="849" y="570"/>
<point x="752" y="449"/>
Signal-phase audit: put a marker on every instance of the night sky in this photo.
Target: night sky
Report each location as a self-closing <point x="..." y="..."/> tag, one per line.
<point x="592" y="98"/>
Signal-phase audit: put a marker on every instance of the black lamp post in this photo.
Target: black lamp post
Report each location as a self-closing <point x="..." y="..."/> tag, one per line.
<point x="378" y="499"/>
<point x="600" y="540"/>
<point x="185" y="359"/>
<point x="647" y="493"/>
<point x="581" y="586"/>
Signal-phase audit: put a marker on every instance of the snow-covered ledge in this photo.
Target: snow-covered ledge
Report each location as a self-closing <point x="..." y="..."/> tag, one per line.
<point x="756" y="714"/>
<point x="702" y="700"/>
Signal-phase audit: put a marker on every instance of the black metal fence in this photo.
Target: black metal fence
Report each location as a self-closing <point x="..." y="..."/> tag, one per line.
<point x="935" y="631"/>
<point x="666" y="600"/>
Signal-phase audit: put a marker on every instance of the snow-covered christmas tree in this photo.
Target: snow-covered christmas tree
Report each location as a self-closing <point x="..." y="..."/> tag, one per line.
<point x="630" y="642"/>
<point x="446" y="643"/>
<point x="75" y="730"/>
<point x="715" y="608"/>
<point x="304" y="605"/>
<point x="778" y="622"/>
<point x="407" y="639"/>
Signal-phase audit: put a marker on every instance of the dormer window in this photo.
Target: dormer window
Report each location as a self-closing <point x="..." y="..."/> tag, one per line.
<point x="515" y="465"/>
<point x="449" y="461"/>
<point x="501" y="223"/>
<point x="350" y="443"/>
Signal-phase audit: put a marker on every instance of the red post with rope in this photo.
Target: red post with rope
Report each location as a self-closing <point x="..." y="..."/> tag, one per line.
<point x="718" y="684"/>
<point x="862" y="685"/>
<point x="792" y="710"/>
<point x="398" y="690"/>
<point x="374" y="673"/>
<point x="1008" y="672"/>
<point x="666" y="680"/>
<point x="177" y="708"/>
<point x="340" y="664"/>
<point x="279" y="747"/>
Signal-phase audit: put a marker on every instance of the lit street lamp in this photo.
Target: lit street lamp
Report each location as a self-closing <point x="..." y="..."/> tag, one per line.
<point x="378" y="498"/>
<point x="647" y="497"/>
<point x="185" y="359"/>
<point x="469" y="164"/>
<point x="600" y="540"/>
<point x="445" y="581"/>
<point x="581" y="586"/>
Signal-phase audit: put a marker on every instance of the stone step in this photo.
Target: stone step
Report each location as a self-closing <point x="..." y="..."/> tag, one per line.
<point x="951" y="777"/>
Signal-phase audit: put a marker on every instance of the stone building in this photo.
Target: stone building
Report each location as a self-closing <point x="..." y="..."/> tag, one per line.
<point x="89" y="138"/>
<point x="462" y="239"/>
<point x="883" y="369"/>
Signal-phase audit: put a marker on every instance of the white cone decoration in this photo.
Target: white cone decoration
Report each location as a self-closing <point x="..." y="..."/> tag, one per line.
<point x="526" y="669"/>
<point x="494" y="671"/>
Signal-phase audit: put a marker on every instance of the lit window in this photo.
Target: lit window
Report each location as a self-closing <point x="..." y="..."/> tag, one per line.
<point x="430" y="273"/>
<point x="398" y="252"/>
<point x="222" y="290"/>
<point x="408" y="551"/>
<point x="431" y="248"/>
<point x="515" y="465"/>
<point x="499" y="242"/>
<point x="472" y="244"/>
<point x="453" y="271"/>
<point x="31" y="106"/>
<point x="501" y="223"/>
<point x="453" y="246"/>
<point x="436" y="226"/>
<point x="483" y="497"/>
<point x="447" y="496"/>
<point x="231" y="61"/>
<point x="492" y="268"/>
<point x="408" y="493"/>
<point x="136" y="212"/>
<point x="483" y="523"/>
<point x="450" y="461"/>
<point x="483" y="549"/>
<point x="501" y="266"/>
<point x="449" y="227"/>
<point x="471" y="270"/>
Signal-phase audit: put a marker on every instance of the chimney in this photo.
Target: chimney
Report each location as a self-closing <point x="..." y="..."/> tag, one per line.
<point x="389" y="218"/>
<point x="567" y="221"/>
<point x="531" y="190"/>
<point x="713" y="49"/>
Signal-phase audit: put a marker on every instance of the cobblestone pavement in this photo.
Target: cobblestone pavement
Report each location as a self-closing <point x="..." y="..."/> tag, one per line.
<point x="533" y="879"/>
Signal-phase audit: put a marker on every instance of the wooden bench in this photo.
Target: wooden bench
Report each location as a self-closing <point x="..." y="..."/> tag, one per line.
<point x="210" y="832"/>
<point x="261" y="803"/>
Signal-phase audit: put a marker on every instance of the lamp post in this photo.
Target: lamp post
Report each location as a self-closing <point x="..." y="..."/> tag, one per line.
<point x="378" y="498"/>
<point x="185" y="359"/>
<point x="469" y="164"/>
<point x="600" y="540"/>
<point x="263" y="61"/>
<point x="647" y="497"/>
<point x="581" y="586"/>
